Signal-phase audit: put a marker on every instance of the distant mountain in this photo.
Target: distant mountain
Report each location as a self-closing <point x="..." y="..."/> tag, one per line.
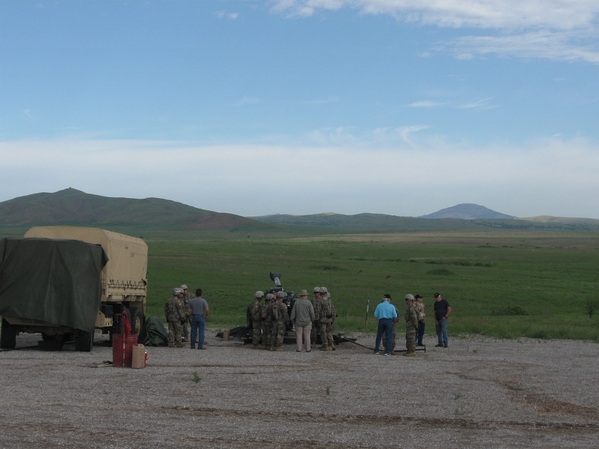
<point x="159" y="217"/>
<point x="73" y="207"/>
<point x="468" y="211"/>
<point x="372" y="223"/>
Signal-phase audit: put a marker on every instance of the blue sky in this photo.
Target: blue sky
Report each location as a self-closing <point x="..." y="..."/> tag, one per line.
<point x="251" y="107"/>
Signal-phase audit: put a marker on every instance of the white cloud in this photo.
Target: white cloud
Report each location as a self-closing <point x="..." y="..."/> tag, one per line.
<point x="539" y="44"/>
<point x="499" y="14"/>
<point x="553" y="177"/>
<point x="425" y="104"/>
<point x="563" y="30"/>
<point x="248" y="100"/>
<point x="332" y="136"/>
<point x="226" y="15"/>
<point x="483" y="103"/>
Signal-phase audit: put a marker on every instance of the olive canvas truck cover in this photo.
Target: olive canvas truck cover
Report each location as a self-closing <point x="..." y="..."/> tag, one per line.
<point x="53" y="281"/>
<point x="124" y="278"/>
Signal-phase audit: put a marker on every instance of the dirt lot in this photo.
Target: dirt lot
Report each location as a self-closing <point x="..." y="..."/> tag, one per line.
<point x="479" y="393"/>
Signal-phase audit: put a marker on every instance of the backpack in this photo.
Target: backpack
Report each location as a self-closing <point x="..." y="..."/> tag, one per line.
<point x="275" y="312"/>
<point x="326" y="310"/>
<point x="256" y="312"/>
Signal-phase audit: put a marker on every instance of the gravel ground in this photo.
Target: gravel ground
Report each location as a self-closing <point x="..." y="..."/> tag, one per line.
<point x="479" y="393"/>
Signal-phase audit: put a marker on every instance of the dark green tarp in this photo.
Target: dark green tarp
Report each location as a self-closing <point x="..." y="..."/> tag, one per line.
<point x="155" y="332"/>
<point x="57" y="281"/>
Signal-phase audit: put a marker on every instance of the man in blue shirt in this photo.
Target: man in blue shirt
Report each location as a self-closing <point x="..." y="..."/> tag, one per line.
<point x="198" y="308"/>
<point x="385" y="312"/>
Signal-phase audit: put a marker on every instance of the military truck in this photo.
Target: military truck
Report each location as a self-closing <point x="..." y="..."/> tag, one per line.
<point x="65" y="281"/>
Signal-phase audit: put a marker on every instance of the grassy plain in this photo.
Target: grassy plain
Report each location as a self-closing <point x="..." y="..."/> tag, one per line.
<point x="504" y="283"/>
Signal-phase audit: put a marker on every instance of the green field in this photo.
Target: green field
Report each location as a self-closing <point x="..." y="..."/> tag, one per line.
<point x="499" y="283"/>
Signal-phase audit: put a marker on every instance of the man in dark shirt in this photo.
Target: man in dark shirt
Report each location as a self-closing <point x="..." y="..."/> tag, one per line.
<point x="442" y="311"/>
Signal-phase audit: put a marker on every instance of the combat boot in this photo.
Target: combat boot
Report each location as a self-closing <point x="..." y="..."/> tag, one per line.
<point x="326" y="348"/>
<point x="272" y="348"/>
<point x="410" y="354"/>
<point x="279" y="348"/>
<point x="171" y="345"/>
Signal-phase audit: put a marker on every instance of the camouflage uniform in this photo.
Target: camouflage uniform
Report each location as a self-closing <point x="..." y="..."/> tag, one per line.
<point x="326" y="318"/>
<point x="316" y="304"/>
<point x="254" y="315"/>
<point x="280" y="320"/>
<point x="265" y="316"/>
<point x="187" y="296"/>
<point x="411" y="318"/>
<point x="175" y="315"/>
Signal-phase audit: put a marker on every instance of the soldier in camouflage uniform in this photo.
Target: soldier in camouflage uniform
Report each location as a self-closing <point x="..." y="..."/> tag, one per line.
<point x="316" y="303"/>
<point x="411" y="318"/>
<point x="254" y="318"/>
<point x="175" y="316"/>
<point x="280" y="320"/>
<point x="265" y="317"/>
<point x="325" y="317"/>
<point x="186" y="297"/>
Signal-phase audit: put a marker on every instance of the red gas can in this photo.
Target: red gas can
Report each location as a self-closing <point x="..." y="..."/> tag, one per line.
<point x="122" y="349"/>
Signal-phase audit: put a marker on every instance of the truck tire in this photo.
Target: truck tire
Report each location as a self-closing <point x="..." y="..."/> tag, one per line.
<point x="84" y="341"/>
<point x="136" y="319"/>
<point x="8" y="338"/>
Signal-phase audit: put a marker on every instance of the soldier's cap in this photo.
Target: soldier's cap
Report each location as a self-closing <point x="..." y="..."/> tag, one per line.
<point x="316" y="290"/>
<point x="323" y="290"/>
<point x="386" y="296"/>
<point x="269" y="296"/>
<point x="259" y="294"/>
<point x="417" y="296"/>
<point x="281" y="295"/>
<point x="409" y="297"/>
<point x="184" y="287"/>
<point x="177" y="291"/>
<point x="436" y="295"/>
<point x="303" y="293"/>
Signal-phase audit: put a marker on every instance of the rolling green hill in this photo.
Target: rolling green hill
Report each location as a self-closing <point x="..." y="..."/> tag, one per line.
<point x="76" y="208"/>
<point x="160" y="218"/>
<point x="390" y="223"/>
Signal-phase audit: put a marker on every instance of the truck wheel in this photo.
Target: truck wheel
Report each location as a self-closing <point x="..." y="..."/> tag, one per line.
<point x="84" y="341"/>
<point x="137" y="320"/>
<point x="8" y="337"/>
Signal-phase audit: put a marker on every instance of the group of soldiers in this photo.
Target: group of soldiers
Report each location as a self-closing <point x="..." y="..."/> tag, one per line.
<point x="270" y="320"/>
<point x="177" y="316"/>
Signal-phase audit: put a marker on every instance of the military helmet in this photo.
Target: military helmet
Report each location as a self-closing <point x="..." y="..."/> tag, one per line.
<point x="269" y="296"/>
<point x="259" y="294"/>
<point x="184" y="287"/>
<point x="316" y="290"/>
<point x="281" y="295"/>
<point x="177" y="291"/>
<point x="323" y="290"/>
<point x="409" y="297"/>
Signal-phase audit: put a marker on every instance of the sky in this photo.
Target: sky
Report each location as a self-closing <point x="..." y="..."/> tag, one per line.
<point x="258" y="107"/>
